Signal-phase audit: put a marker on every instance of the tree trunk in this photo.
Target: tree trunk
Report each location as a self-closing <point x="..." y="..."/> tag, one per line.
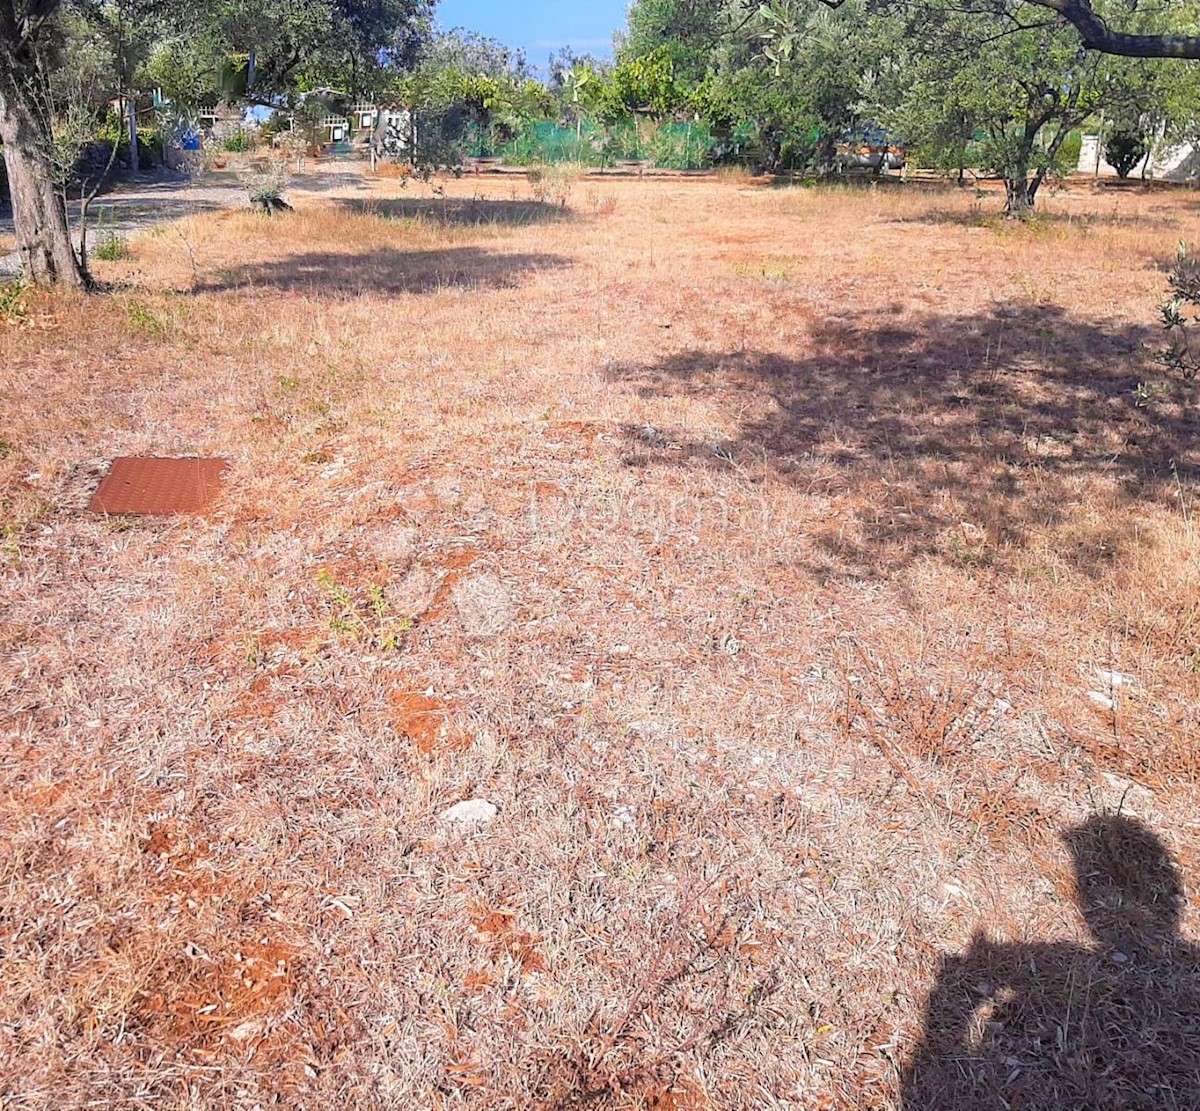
<point x="1019" y="191"/>
<point x="39" y="212"/>
<point x="1017" y="201"/>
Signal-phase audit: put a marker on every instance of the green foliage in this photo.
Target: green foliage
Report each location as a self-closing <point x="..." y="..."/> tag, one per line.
<point x="1180" y="317"/>
<point x="1014" y="99"/>
<point x="1068" y="154"/>
<point x="12" y="300"/>
<point x="670" y="145"/>
<point x="100" y="136"/>
<point x="691" y="29"/>
<point x="1124" y="149"/>
<point x="362" y="616"/>
<point x="345" y="45"/>
<point x="185" y="76"/>
<point x="458" y="110"/>
<point x="237" y="142"/>
<point x="109" y="247"/>
<point x="783" y="101"/>
<point x="145" y="319"/>
<point x="646" y="84"/>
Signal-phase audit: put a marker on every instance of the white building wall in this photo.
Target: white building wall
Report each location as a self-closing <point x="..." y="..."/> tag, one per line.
<point x="1180" y="163"/>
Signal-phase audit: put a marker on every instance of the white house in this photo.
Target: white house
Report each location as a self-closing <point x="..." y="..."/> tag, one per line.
<point x="1176" y="163"/>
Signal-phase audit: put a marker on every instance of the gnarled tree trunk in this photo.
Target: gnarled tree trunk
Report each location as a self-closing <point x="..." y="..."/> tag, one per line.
<point x="39" y="211"/>
<point x="1019" y="191"/>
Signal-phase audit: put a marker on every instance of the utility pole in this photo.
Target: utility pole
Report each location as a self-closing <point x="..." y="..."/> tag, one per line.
<point x="133" y="135"/>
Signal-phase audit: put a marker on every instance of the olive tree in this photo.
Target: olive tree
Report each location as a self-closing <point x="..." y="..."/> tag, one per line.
<point x="261" y="50"/>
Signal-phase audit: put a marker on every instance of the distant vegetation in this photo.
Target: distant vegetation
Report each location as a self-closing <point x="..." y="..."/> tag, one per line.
<point x="1001" y="89"/>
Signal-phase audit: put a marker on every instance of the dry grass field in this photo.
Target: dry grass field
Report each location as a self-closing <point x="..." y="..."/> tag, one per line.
<point x="794" y="570"/>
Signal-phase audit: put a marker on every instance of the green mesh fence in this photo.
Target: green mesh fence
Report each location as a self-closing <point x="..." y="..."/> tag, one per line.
<point x="675" y="146"/>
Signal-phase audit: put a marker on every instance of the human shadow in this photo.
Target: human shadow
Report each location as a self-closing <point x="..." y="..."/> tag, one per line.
<point x="963" y="435"/>
<point x="461" y="211"/>
<point x="386" y="270"/>
<point x="1111" y="1026"/>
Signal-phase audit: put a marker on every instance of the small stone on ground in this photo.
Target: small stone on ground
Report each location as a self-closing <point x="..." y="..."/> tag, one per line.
<point x="469" y="812"/>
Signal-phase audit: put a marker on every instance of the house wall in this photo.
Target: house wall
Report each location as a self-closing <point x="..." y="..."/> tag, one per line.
<point x="1179" y="163"/>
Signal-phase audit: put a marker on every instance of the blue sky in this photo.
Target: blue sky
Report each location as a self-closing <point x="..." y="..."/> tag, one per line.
<point x="539" y="27"/>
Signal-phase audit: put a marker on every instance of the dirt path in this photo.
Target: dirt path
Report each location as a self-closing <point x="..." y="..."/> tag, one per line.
<point x="135" y="207"/>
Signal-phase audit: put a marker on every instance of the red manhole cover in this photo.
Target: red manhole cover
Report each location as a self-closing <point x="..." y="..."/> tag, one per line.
<point x="158" y="487"/>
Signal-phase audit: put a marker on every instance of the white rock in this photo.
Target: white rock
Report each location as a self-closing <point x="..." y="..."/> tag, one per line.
<point x="469" y="812"/>
<point x="1101" y="699"/>
<point x="1114" y="679"/>
<point x="1132" y="793"/>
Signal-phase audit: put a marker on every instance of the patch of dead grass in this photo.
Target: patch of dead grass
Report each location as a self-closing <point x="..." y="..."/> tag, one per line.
<point x="818" y="515"/>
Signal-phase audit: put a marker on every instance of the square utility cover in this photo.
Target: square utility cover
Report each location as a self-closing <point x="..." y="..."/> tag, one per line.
<point x="158" y="487"/>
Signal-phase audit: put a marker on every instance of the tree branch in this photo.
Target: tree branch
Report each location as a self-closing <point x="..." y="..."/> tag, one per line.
<point x="35" y="17"/>
<point x="1097" y="35"/>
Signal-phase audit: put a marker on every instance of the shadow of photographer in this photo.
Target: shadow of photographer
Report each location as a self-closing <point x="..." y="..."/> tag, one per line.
<point x="1114" y="1025"/>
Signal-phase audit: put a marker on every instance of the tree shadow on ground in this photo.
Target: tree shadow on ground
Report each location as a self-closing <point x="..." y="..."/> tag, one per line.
<point x="461" y="211"/>
<point x="961" y="436"/>
<point x="989" y="213"/>
<point x="129" y="213"/>
<point x="1110" y="1026"/>
<point x="132" y="213"/>
<point x="386" y="271"/>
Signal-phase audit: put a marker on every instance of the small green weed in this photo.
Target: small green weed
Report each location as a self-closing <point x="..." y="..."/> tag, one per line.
<point x="12" y="303"/>
<point x="966" y="556"/>
<point x="370" y="622"/>
<point x="140" y="316"/>
<point x="763" y="271"/>
<point x="1146" y="394"/>
<point x="110" y="247"/>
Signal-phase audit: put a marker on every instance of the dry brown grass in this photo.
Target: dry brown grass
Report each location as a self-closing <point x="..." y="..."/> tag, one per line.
<point x="753" y="550"/>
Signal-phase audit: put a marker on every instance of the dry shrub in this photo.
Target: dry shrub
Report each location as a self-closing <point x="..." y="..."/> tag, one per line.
<point x="553" y="182"/>
<point x="735" y="175"/>
<point x="932" y="714"/>
<point x="601" y="204"/>
<point x="387" y="169"/>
